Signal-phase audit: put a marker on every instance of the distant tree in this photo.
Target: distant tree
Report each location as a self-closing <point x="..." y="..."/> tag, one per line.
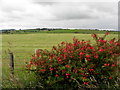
<point x="44" y="29"/>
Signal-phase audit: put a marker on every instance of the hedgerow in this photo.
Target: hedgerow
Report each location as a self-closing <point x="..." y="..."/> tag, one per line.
<point x="79" y="64"/>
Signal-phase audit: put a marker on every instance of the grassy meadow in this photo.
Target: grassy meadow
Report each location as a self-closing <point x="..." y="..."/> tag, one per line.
<point x="24" y="45"/>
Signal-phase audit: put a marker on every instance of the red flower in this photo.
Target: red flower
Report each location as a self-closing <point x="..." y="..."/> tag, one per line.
<point x="63" y="70"/>
<point x="101" y="50"/>
<point x="109" y="47"/>
<point x="116" y="62"/>
<point x="110" y="77"/>
<point x="69" y="51"/>
<point x="86" y="83"/>
<point x="65" y="50"/>
<point x="35" y="64"/>
<point x="39" y="64"/>
<point x="64" y="56"/>
<point x="111" y="52"/>
<point x="33" y="57"/>
<point x="54" y="48"/>
<point x="51" y="69"/>
<point x="38" y="55"/>
<point x="106" y="64"/>
<point x="92" y="66"/>
<point x="111" y="41"/>
<point x="74" y="70"/>
<point x="113" y="65"/>
<point x="91" y="70"/>
<point x="68" y="66"/>
<point x="81" y="53"/>
<point x="67" y="75"/>
<point x="117" y="44"/>
<point x="51" y="57"/>
<point x="96" y="56"/>
<point x="83" y="68"/>
<point x="87" y="56"/>
<point x="94" y="35"/>
<point x="38" y="51"/>
<point x="70" y="56"/>
<point x="81" y="74"/>
<point x="28" y="65"/>
<point x="57" y="75"/>
<point x="84" y="77"/>
<point x="88" y="59"/>
<point x="59" y="59"/>
<point x="62" y="42"/>
<point x="43" y="70"/>
<point x="31" y="62"/>
<point x="91" y="47"/>
<point x="102" y="41"/>
<point x="42" y="62"/>
<point x="106" y="33"/>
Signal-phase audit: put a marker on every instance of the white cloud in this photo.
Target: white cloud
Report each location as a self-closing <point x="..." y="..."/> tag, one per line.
<point x="75" y="0"/>
<point x="31" y="13"/>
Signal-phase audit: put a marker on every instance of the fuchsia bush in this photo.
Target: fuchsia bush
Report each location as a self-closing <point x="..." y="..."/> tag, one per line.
<point x="79" y="64"/>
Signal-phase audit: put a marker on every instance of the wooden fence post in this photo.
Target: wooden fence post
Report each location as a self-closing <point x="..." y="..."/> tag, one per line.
<point x="35" y="51"/>
<point x="11" y="58"/>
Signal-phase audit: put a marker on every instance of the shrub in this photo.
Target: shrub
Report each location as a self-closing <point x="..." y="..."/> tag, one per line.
<point x="79" y="64"/>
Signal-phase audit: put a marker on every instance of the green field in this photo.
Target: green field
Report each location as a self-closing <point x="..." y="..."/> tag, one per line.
<point x="80" y="31"/>
<point x="24" y="45"/>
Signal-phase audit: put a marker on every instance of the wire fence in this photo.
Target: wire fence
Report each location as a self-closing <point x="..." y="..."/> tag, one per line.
<point x="17" y="59"/>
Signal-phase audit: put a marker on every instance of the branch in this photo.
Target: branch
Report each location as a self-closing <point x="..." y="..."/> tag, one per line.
<point x="76" y="82"/>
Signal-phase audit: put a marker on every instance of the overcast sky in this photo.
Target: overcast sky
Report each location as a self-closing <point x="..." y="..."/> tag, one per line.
<point x="20" y="14"/>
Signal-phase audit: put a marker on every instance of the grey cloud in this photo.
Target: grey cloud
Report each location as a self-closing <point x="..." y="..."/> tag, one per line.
<point x="46" y="3"/>
<point x="70" y="11"/>
<point x="63" y="10"/>
<point x="60" y="14"/>
<point x="108" y="7"/>
<point x="73" y="13"/>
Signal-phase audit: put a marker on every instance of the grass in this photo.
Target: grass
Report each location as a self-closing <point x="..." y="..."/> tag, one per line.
<point x="23" y="46"/>
<point x="0" y="61"/>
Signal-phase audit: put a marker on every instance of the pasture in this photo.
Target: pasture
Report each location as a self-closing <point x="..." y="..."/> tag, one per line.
<point x="24" y="45"/>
